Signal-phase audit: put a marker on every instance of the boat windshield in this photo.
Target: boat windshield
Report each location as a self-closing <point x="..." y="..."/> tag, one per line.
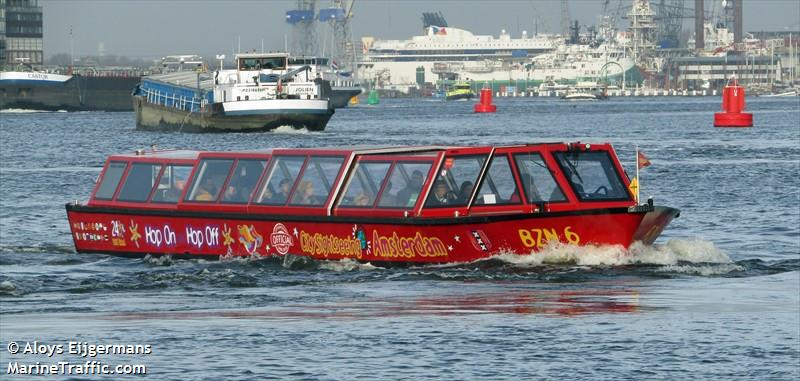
<point x="110" y="180"/>
<point x="261" y="63"/>
<point x="592" y="176"/>
<point x="457" y="177"/>
<point x="139" y="183"/>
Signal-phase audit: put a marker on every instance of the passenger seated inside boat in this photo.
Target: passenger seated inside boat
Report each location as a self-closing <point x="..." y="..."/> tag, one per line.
<point x="465" y="192"/>
<point x="361" y="200"/>
<point x="207" y="190"/>
<point x="304" y="195"/>
<point x="284" y="187"/>
<point x="412" y="188"/>
<point x="244" y="180"/>
<point x="441" y="195"/>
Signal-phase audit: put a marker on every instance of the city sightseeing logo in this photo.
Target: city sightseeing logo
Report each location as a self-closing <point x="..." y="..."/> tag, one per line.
<point x="280" y="239"/>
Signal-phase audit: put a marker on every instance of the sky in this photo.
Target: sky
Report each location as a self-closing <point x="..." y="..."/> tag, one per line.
<point x="153" y="28"/>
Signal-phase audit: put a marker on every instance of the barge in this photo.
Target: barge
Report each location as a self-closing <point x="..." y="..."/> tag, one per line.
<point x="261" y="94"/>
<point x="392" y="204"/>
<point x="89" y="91"/>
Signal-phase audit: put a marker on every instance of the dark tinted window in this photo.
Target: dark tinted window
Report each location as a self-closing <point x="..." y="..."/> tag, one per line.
<point x="172" y="182"/>
<point x="592" y="175"/>
<point x="280" y="180"/>
<point x="243" y="181"/>
<point x="536" y="179"/>
<point x="209" y="180"/>
<point x="317" y="181"/>
<point x="139" y="183"/>
<point x="110" y="180"/>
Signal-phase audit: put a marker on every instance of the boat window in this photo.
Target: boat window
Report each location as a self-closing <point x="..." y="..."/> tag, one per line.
<point x="243" y="181"/>
<point x="170" y="186"/>
<point x="364" y="185"/>
<point x="405" y="185"/>
<point x="498" y="185"/>
<point x="139" y="183"/>
<point x="274" y="63"/>
<point x="537" y="180"/>
<point x="281" y="178"/>
<point x="317" y="181"/>
<point x="592" y="175"/>
<point x="110" y="180"/>
<point x="210" y="177"/>
<point x="456" y="179"/>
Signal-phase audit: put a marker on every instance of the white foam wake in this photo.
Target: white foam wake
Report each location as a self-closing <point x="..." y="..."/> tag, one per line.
<point x="25" y="111"/>
<point x="290" y="130"/>
<point x="670" y="254"/>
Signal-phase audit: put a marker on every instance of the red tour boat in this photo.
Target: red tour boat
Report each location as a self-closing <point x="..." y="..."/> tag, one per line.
<point x="394" y="204"/>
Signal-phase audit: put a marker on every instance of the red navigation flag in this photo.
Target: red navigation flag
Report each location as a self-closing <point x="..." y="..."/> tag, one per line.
<point x="642" y="160"/>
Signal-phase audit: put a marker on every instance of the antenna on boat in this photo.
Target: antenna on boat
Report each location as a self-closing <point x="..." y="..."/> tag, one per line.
<point x="636" y="163"/>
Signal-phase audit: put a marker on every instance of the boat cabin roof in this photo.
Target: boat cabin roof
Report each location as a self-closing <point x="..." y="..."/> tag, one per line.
<point x="387" y="181"/>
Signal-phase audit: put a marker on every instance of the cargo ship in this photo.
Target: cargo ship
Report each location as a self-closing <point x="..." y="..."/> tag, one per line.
<point x="89" y="90"/>
<point x="262" y="93"/>
<point x="430" y="204"/>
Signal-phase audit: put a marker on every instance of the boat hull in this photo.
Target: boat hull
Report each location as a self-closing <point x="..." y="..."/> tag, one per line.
<point x="226" y="117"/>
<point x="455" y="97"/>
<point x="201" y="234"/>
<point x="79" y="93"/>
<point x="340" y="96"/>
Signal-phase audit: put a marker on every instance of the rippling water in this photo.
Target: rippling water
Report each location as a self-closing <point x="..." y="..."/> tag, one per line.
<point x="717" y="296"/>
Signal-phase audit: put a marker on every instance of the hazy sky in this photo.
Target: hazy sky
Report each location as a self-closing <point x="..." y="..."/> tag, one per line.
<point x="152" y="28"/>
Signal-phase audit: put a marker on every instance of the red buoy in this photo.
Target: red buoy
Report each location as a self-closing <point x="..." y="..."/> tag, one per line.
<point x="485" y="104"/>
<point x="732" y="114"/>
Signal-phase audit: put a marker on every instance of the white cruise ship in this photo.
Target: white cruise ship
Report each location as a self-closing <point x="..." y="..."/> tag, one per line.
<point x="452" y="54"/>
<point x="395" y="64"/>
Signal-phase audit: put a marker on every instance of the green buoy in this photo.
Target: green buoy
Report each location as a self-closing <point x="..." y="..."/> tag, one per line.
<point x="373" y="98"/>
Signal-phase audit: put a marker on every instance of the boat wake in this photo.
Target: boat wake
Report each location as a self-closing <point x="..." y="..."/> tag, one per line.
<point x="286" y="129"/>
<point x="26" y="111"/>
<point x="671" y="253"/>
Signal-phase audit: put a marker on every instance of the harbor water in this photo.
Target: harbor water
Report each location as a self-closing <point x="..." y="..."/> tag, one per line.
<point x="717" y="296"/>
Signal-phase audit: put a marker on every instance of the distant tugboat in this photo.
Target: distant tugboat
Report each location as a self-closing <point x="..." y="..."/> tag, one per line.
<point x="261" y="94"/>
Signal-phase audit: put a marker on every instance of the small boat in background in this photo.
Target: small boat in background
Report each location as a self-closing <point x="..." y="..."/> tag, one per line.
<point x="461" y="90"/>
<point x="426" y="204"/>
<point x="262" y="93"/>
<point x="580" y="96"/>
